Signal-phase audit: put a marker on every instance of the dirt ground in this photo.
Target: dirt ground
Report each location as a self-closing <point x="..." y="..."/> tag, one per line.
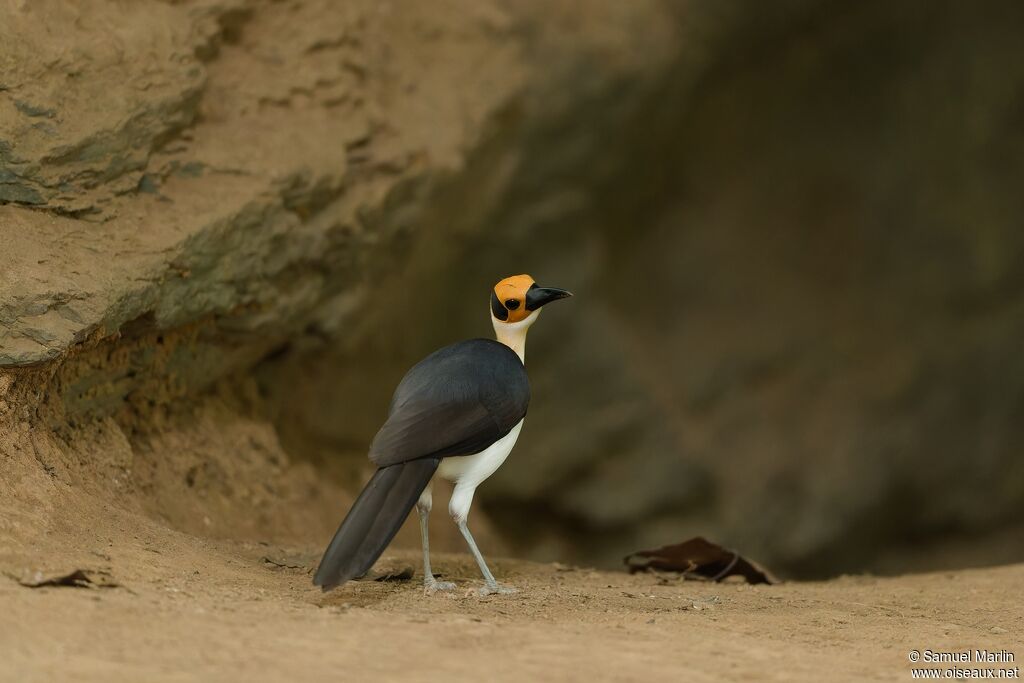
<point x="204" y="610"/>
<point x="198" y="536"/>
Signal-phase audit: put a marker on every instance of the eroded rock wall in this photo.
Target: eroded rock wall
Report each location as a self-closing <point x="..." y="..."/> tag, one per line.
<point x="190" y="191"/>
<point x="792" y="229"/>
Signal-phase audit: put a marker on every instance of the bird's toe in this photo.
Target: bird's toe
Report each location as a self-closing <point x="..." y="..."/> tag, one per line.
<point x="498" y="589"/>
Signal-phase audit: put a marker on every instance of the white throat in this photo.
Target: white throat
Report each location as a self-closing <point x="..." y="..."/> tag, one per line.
<point x="513" y="335"/>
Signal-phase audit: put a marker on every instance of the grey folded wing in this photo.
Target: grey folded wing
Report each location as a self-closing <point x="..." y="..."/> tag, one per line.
<point x="457" y="401"/>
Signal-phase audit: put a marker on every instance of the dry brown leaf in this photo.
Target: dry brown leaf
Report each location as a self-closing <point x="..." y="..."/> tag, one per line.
<point x="79" y="578"/>
<point x="698" y="558"/>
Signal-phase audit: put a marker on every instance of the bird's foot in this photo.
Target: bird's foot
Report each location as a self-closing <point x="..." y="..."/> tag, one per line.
<point x="432" y="585"/>
<point x="497" y="589"/>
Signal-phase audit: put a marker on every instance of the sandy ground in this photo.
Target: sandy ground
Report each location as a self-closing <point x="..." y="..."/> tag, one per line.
<point x="210" y="611"/>
<point x="208" y="535"/>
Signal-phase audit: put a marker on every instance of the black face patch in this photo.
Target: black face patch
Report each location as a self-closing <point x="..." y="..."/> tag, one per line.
<point x="497" y="309"/>
<point x="511" y="304"/>
<point x="530" y="294"/>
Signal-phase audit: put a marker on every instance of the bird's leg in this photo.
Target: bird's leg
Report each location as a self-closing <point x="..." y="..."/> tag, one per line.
<point x="458" y="507"/>
<point x="490" y="585"/>
<point x="430" y="584"/>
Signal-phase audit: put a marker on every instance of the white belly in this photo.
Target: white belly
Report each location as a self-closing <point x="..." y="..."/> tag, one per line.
<point x="470" y="470"/>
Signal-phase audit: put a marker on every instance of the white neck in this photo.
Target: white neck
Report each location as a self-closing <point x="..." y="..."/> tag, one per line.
<point x="513" y="335"/>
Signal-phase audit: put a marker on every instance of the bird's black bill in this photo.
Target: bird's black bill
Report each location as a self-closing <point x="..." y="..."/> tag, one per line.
<point x="538" y="296"/>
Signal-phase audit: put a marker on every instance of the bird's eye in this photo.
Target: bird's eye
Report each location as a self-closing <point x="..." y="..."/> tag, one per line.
<point x="511" y="304"/>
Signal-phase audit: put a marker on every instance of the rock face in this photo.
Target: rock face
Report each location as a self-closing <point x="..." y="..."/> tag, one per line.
<point x="196" y="159"/>
<point x="791" y="229"/>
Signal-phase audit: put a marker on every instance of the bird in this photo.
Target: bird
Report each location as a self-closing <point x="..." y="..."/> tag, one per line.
<point x="455" y="415"/>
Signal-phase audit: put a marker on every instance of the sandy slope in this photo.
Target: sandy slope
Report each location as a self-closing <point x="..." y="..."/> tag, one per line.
<point x="143" y="509"/>
<point x="201" y="610"/>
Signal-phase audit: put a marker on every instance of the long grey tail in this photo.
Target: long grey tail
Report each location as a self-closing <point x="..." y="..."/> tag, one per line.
<point x="373" y="521"/>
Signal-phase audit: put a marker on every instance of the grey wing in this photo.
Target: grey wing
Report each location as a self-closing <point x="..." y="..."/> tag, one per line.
<point x="457" y="401"/>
